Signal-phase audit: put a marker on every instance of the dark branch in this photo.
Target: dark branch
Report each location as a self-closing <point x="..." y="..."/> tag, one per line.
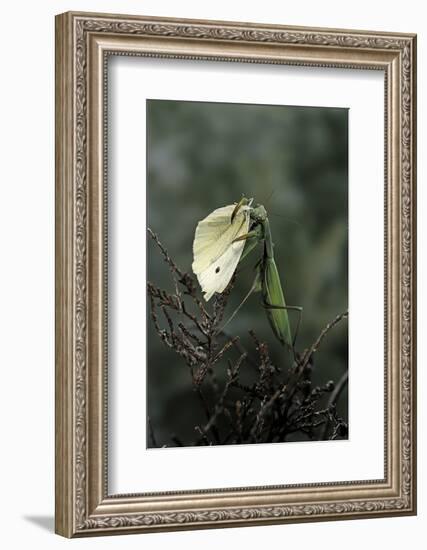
<point x="269" y="403"/>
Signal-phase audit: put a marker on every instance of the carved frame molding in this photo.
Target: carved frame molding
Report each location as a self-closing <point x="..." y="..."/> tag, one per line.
<point x="83" y="43"/>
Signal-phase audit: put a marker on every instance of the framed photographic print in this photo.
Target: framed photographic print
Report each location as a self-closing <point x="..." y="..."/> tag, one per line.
<point x="235" y="274"/>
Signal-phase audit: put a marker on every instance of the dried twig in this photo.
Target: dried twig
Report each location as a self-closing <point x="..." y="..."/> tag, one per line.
<point x="333" y="400"/>
<point x="309" y="354"/>
<point x="276" y="403"/>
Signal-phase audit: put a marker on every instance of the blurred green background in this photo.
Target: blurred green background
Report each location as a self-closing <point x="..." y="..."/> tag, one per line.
<point x="294" y="161"/>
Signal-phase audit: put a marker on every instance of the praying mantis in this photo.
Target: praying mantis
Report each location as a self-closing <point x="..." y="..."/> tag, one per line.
<point x="222" y="240"/>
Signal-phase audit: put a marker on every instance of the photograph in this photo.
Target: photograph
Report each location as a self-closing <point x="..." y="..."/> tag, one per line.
<point x="247" y="273"/>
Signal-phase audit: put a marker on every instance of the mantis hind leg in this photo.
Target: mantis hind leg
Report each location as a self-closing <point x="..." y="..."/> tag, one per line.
<point x="254" y="288"/>
<point x="299" y="309"/>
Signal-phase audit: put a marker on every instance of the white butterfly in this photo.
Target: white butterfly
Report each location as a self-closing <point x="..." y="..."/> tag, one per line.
<point x="215" y="254"/>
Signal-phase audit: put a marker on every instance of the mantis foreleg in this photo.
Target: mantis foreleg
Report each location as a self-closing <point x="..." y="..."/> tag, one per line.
<point x="242" y="202"/>
<point x="252" y="239"/>
<point x="251" y="235"/>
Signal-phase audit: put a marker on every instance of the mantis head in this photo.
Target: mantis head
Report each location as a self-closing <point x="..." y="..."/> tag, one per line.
<point x="259" y="213"/>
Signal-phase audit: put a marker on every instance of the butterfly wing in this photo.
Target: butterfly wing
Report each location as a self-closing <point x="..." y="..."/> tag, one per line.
<point x="215" y="254"/>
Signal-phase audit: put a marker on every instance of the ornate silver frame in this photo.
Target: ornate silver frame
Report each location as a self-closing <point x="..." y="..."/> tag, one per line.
<point x="83" y="505"/>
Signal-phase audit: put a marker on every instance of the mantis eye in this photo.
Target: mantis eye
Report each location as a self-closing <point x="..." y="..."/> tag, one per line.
<point x="217" y="269"/>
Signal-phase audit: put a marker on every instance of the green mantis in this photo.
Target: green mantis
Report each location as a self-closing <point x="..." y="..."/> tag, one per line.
<point x="222" y="240"/>
<point x="267" y="279"/>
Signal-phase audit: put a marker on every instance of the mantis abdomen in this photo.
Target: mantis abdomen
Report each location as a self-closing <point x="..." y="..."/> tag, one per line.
<point x="274" y="300"/>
